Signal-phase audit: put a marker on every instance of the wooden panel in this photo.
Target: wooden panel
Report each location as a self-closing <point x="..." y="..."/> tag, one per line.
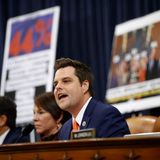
<point x="92" y="149"/>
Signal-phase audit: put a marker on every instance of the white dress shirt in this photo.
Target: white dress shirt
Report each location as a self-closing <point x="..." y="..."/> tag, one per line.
<point x="3" y="136"/>
<point x="81" y="113"/>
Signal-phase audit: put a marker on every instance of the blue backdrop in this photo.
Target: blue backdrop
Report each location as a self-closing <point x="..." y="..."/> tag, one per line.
<point x="86" y="28"/>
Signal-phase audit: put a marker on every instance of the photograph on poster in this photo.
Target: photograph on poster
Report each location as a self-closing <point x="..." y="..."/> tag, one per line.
<point x="134" y="76"/>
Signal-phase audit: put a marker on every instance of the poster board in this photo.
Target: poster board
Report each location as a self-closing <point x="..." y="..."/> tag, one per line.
<point x="134" y="76"/>
<point x="29" y="56"/>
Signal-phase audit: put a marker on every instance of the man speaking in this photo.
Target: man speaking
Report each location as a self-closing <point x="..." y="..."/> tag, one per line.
<point x="73" y="93"/>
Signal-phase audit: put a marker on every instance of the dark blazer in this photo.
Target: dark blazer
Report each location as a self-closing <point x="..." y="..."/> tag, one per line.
<point x="106" y="119"/>
<point x="152" y="72"/>
<point x="14" y="136"/>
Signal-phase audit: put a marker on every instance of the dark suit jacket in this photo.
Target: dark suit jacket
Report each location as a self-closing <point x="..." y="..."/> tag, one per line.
<point x="153" y="71"/>
<point x="14" y="136"/>
<point x="105" y="118"/>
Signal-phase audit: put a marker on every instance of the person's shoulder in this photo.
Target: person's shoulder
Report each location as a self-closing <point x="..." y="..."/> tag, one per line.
<point x="100" y="103"/>
<point x="12" y="136"/>
<point x="15" y="132"/>
<point x="104" y="106"/>
<point x="15" y="136"/>
<point x="64" y="133"/>
<point x="67" y="122"/>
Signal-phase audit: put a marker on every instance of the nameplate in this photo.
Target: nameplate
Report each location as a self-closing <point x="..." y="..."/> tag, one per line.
<point x="83" y="134"/>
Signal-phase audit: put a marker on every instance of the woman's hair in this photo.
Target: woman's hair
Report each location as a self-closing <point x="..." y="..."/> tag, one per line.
<point x="8" y="108"/>
<point x="48" y="103"/>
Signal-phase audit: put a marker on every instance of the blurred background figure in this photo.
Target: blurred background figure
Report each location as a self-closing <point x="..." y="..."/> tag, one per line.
<point x="48" y="117"/>
<point x="9" y="133"/>
<point x="134" y="69"/>
<point x="123" y="73"/>
<point x="152" y="65"/>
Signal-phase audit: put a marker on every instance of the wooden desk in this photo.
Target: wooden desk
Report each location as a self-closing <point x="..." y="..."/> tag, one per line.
<point x="140" y="148"/>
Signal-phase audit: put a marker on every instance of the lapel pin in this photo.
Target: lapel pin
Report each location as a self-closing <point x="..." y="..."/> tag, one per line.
<point x="84" y="123"/>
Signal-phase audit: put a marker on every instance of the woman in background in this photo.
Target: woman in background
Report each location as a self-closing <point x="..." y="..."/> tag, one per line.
<point x="48" y="117"/>
<point x="9" y="132"/>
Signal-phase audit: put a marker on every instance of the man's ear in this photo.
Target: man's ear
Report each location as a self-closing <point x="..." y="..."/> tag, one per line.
<point x="85" y="86"/>
<point x="3" y="120"/>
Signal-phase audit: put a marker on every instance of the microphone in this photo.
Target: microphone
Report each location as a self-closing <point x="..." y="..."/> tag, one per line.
<point x="26" y="131"/>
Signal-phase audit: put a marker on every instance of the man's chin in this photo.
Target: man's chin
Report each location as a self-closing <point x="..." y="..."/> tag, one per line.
<point x="63" y="107"/>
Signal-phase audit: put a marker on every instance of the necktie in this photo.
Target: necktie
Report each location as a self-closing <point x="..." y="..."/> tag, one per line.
<point x="75" y="126"/>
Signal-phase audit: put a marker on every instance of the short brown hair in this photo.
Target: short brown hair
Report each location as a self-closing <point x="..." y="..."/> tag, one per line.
<point x="48" y="103"/>
<point x="82" y="71"/>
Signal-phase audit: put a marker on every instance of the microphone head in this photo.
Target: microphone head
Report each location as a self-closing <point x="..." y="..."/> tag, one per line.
<point x="27" y="129"/>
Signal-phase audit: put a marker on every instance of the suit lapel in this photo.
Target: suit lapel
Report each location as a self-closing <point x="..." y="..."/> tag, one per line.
<point x="87" y="114"/>
<point x="10" y="138"/>
<point x="68" y="129"/>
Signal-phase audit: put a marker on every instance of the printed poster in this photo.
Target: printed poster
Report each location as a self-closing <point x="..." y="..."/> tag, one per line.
<point x="29" y="56"/>
<point x="134" y="77"/>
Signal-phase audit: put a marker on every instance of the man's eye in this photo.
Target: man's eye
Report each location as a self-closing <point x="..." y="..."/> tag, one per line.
<point x="66" y="81"/>
<point x="54" y="84"/>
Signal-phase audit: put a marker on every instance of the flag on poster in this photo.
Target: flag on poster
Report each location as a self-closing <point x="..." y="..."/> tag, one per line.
<point x="29" y="56"/>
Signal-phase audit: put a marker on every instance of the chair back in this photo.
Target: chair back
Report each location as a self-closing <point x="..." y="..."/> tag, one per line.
<point x="157" y="125"/>
<point x="142" y="124"/>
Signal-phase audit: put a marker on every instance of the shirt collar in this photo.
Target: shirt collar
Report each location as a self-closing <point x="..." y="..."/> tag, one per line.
<point x="3" y="136"/>
<point x="81" y="113"/>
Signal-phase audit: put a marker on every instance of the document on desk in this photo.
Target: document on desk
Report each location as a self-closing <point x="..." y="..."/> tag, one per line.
<point x="150" y="134"/>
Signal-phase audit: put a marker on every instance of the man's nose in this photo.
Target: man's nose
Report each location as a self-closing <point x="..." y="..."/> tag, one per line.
<point x="58" y="86"/>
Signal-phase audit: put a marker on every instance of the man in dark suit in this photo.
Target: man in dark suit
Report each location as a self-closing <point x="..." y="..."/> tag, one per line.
<point x="8" y="131"/>
<point x="152" y="65"/>
<point x="73" y="93"/>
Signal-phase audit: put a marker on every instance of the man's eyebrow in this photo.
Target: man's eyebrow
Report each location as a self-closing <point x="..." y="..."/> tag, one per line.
<point x="63" y="78"/>
<point x="66" y="78"/>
